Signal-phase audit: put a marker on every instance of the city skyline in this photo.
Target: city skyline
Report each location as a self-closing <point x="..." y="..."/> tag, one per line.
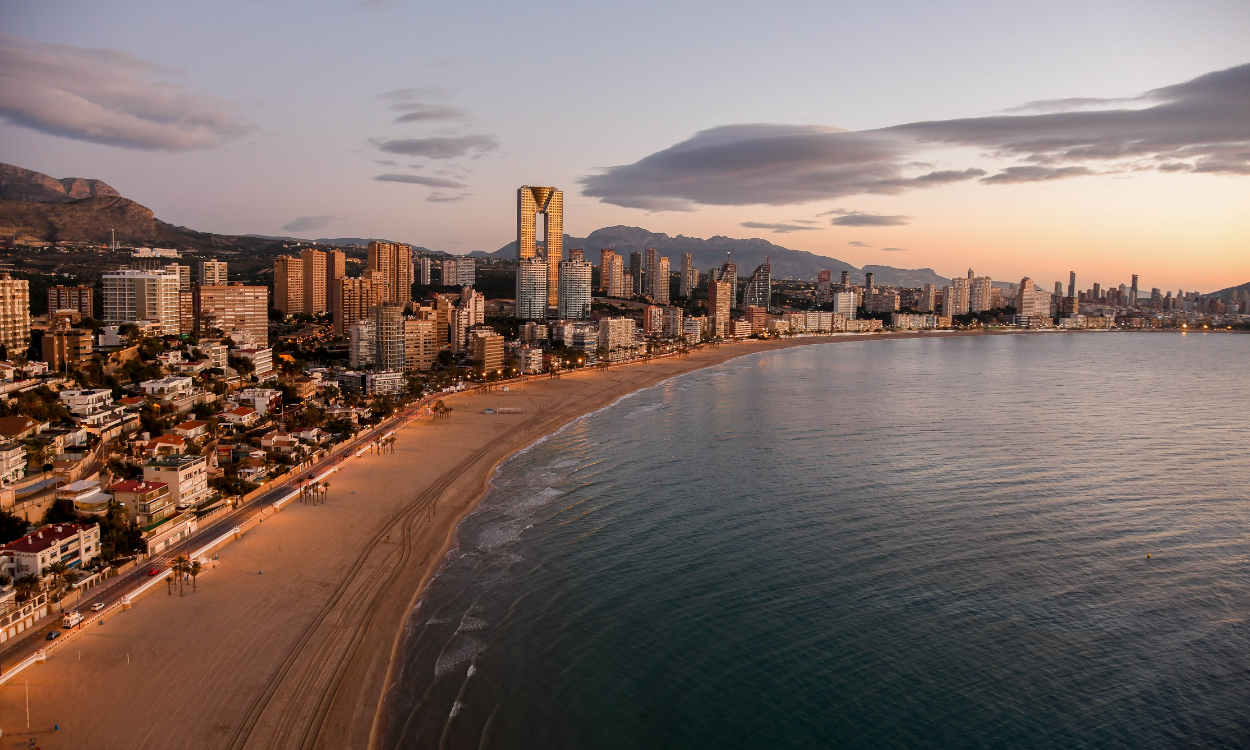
<point x="429" y="151"/>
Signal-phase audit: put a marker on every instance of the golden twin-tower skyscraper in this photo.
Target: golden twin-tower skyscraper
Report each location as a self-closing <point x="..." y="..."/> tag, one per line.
<point x="549" y="202"/>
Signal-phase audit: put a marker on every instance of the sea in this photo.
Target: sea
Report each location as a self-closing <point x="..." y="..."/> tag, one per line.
<point x="1004" y="541"/>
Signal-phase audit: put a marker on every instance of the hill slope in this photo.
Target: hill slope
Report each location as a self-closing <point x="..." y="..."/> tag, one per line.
<point x="786" y="263"/>
<point x="18" y="184"/>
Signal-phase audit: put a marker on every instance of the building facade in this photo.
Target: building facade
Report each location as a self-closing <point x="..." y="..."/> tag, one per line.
<point x="575" y="290"/>
<point x="240" y="312"/>
<point x="288" y="284"/>
<point x="759" y="291"/>
<point x="531" y="289"/>
<point x="131" y="296"/>
<point x="391" y="262"/>
<point x="548" y="202"/>
<point x="212" y="273"/>
<point x="80" y="298"/>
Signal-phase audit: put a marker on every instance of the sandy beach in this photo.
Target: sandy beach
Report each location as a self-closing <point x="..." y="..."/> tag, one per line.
<point x="289" y="642"/>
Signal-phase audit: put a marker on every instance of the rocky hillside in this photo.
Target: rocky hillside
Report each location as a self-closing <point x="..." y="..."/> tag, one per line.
<point x="17" y="184"/>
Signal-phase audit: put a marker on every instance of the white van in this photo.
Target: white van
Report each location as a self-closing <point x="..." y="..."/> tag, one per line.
<point x="71" y="619"/>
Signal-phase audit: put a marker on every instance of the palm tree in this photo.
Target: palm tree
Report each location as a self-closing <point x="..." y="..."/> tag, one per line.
<point x="195" y="569"/>
<point x="325" y="491"/>
<point x="57" y="569"/>
<point x="180" y="566"/>
<point x="26" y="586"/>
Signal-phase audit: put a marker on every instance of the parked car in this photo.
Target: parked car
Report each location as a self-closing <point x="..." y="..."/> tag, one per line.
<point x="54" y="635"/>
<point x="97" y="606"/>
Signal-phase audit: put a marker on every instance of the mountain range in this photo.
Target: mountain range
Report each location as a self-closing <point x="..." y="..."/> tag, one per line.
<point x="712" y="252"/>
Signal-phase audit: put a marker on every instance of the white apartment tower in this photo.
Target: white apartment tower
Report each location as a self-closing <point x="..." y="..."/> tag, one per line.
<point x="131" y="295"/>
<point x="575" y="290"/>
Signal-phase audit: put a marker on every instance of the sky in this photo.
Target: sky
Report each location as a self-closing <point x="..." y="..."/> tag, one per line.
<point x="1014" y="139"/>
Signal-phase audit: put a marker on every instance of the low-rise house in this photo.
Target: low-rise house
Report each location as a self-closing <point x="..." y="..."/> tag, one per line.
<point x="19" y="428"/>
<point x="279" y="441"/>
<point x="86" y="496"/>
<point x="242" y="416"/>
<point x="192" y="429"/>
<point x="166" y="445"/>
<point x="8" y="373"/>
<point x="304" y="387"/>
<point x="165" y="533"/>
<point x="263" y="400"/>
<point x="311" y="435"/>
<point x="187" y="477"/>
<point x="254" y="468"/>
<point x="12" y="462"/>
<point x="146" y="502"/>
<point x="132" y="402"/>
<point x="168" y="389"/>
<point x="71" y="543"/>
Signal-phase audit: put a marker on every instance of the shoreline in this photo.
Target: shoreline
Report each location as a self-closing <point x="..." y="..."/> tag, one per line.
<point x="380" y="717"/>
<point x="285" y="643"/>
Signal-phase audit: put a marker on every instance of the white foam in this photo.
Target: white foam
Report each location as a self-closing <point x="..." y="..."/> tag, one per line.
<point x="463" y="652"/>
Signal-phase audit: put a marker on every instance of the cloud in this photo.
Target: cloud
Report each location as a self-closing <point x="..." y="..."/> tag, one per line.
<point x="108" y="97"/>
<point x="1200" y="126"/>
<point x="417" y="179"/>
<point x="430" y="113"/>
<point x="1036" y="174"/>
<point x="778" y="228"/>
<point x="893" y="249"/>
<point x="444" y="198"/>
<point x="857" y="243"/>
<point x="439" y="147"/>
<point x="846" y="218"/>
<point x="309" y="223"/>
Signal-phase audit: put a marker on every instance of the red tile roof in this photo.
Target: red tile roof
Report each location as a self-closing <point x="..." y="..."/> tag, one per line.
<point x="48" y="536"/>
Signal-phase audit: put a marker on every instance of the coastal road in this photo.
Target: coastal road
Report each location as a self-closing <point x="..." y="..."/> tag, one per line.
<point x="114" y="589"/>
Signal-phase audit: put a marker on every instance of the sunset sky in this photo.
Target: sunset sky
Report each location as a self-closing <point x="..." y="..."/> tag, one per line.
<point x="1014" y="139"/>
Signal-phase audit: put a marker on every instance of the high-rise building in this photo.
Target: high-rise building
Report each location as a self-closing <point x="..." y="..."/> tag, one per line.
<point x="956" y="298"/>
<point x="357" y="298"/>
<point x="360" y="345"/>
<point x="870" y="286"/>
<point x="420" y="343"/>
<point x="689" y="276"/>
<point x="844" y="303"/>
<point x="635" y="272"/>
<point x="487" y="352"/>
<point x="423" y="270"/>
<point x="846" y="280"/>
<point x="66" y="348"/>
<point x="759" y="291"/>
<point x="133" y="295"/>
<point x="336" y="268"/>
<point x="981" y="294"/>
<point x="719" y="304"/>
<point x="928" y="300"/>
<point x="240" y="312"/>
<point x="657" y="277"/>
<point x="314" y="281"/>
<point x="531" y="289"/>
<point x="1132" y="297"/>
<point x="616" y="336"/>
<point x="606" y="256"/>
<point x="288" y="285"/>
<point x="1072" y="283"/>
<point x="183" y="273"/>
<point x="78" y="298"/>
<point x="186" y="310"/>
<point x="1030" y="302"/>
<point x="729" y="274"/>
<point x="824" y="282"/>
<point x="459" y="272"/>
<point x="575" y="290"/>
<point x="576" y="253"/>
<point x="651" y="260"/>
<point x="673" y="322"/>
<point x="212" y="273"/>
<point x="392" y="263"/>
<point x="653" y="320"/>
<point x="617" y="279"/>
<point x="388" y="336"/>
<point x="549" y="202"/>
